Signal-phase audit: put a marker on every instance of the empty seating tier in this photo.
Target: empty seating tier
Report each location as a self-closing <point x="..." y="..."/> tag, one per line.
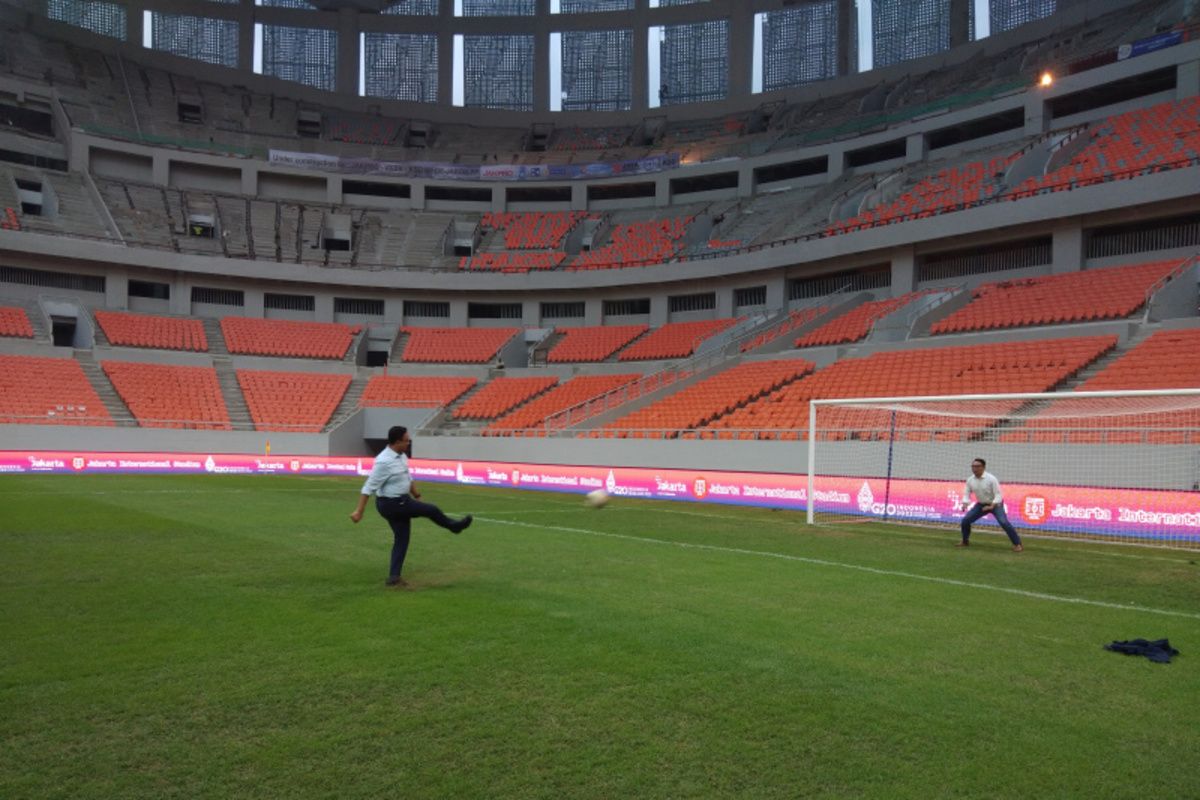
<point x="166" y="396"/>
<point x="1161" y="136"/>
<point x="143" y="330"/>
<point x="299" y="402"/>
<point x="1093" y="294"/>
<point x="794" y="320"/>
<point x="1166" y="360"/>
<point x="48" y="391"/>
<point x="978" y="369"/>
<point x="856" y="323"/>
<point x="572" y="393"/>
<point x="947" y="190"/>
<point x="674" y="340"/>
<point x="15" y="322"/>
<point x="455" y="345"/>
<point x="278" y="337"/>
<point x="414" y="391"/>
<point x="638" y="244"/>
<point x="536" y="230"/>
<point x="709" y="399"/>
<point x="593" y="344"/>
<point x="506" y="261"/>
<point x="502" y="395"/>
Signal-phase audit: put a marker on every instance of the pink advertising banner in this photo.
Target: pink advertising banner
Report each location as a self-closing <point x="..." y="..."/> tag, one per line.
<point x="1148" y="514"/>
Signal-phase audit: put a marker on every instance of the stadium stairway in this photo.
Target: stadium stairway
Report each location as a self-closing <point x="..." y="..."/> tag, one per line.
<point x="231" y="390"/>
<point x="537" y="356"/>
<point x="116" y="407"/>
<point x="216" y="342"/>
<point x="349" y="402"/>
<point x="396" y="354"/>
<point x="37" y="318"/>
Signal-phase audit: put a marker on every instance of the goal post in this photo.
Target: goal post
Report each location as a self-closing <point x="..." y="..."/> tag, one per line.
<point x="1116" y="466"/>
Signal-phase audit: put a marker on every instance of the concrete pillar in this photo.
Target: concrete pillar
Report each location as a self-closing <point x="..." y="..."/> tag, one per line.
<point x="904" y="271"/>
<point x="458" y="314"/>
<point x="662" y="192"/>
<point x="255" y="303"/>
<point x="417" y="196"/>
<point x="837" y="165"/>
<point x="541" y="61"/>
<point x="593" y="311"/>
<point x="846" y="12"/>
<point x="181" y="296"/>
<point x="323" y="308"/>
<point x="658" y="311"/>
<point x="393" y="310"/>
<point x="531" y="314"/>
<point x="916" y="148"/>
<point x="250" y="180"/>
<point x="1037" y="117"/>
<point x="1187" y="80"/>
<point x="245" y="17"/>
<point x="333" y="190"/>
<point x="346" y="78"/>
<point x="960" y="22"/>
<point x="725" y="302"/>
<point x="741" y="54"/>
<point x="160" y="169"/>
<point x="116" y="288"/>
<point x="745" y="186"/>
<point x="777" y="293"/>
<point x="579" y="201"/>
<point x="1067" y="247"/>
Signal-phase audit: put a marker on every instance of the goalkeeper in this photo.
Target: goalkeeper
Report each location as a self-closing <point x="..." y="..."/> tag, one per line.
<point x="988" y="500"/>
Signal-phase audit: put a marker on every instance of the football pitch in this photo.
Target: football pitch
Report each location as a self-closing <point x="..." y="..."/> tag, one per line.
<point x="223" y="636"/>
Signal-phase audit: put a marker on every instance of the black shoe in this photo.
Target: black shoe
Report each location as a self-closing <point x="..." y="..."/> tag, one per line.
<point x="462" y="524"/>
<point x="397" y="583"/>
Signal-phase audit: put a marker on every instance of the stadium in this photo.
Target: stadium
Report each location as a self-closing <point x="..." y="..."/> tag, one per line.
<point x="761" y="281"/>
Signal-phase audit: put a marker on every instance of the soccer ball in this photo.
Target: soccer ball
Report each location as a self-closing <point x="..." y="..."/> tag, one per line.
<point x="596" y="499"/>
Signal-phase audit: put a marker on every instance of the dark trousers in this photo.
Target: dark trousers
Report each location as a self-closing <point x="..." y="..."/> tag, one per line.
<point x="998" y="512"/>
<point x="399" y="512"/>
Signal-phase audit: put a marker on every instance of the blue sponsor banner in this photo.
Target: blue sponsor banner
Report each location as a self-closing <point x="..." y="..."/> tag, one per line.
<point x="467" y="172"/>
<point x="1141" y="47"/>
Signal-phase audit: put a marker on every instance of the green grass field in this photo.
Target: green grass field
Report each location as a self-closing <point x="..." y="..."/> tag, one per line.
<point x="231" y="637"/>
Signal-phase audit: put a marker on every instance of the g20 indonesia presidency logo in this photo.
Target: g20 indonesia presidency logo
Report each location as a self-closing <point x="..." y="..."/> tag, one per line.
<point x="1033" y="509"/>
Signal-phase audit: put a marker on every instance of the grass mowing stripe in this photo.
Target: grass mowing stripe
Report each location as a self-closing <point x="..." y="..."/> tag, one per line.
<point x="857" y="567"/>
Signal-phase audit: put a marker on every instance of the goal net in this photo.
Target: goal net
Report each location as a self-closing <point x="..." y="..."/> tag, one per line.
<point x="1120" y="466"/>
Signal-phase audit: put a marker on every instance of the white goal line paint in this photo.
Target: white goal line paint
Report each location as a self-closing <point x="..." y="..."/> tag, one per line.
<point x="856" y="567"/>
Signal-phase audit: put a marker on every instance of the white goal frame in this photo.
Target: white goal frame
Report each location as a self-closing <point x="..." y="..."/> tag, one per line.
<point x="1186" y="398"/>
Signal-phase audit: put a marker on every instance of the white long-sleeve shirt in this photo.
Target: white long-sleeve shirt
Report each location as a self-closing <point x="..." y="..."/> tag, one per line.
<point x="389" y="476"/>
<point x="985" y="488"/>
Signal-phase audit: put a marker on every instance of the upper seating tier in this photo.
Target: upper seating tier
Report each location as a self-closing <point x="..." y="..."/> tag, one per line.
<point x="1093" y="294"/>
<point x="414" y="391"/>
<point x="278" y="337"/>
<point x="455" y="345"/>
<point x="145" y="330"/>
<point x="674" y="340"/>
<point x="593" y="343"/>
<point x="855" y="324"/>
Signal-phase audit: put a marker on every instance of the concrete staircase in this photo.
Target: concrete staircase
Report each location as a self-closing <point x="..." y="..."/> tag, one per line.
<point x="108" y="394"/>
<point x="350" y="399"/>
<point x="538" y="357"/>
<point x="235" y="401"/>
<point x="395" y="356"/>
<point x="33" y="310"/>
<point x="216" y="339"/>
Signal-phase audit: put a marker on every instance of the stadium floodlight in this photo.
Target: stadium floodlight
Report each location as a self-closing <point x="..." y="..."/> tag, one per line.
<point x="1116" y="466"/>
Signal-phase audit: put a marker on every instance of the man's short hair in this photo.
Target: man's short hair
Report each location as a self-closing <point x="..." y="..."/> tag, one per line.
<point x="396" y="433"/>
<point x="982" y="463"/>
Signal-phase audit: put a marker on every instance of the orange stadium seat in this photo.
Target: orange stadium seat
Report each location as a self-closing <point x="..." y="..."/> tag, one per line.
<point x="35" y="390"/>
<point x="455" y="345"/>
<point x="144" y="330"/>
<point x="593" y="343"/>
<point x="414" y="391"/>
<point x="674" y="340"/>
<point x="575" y="391"/>
<point x="856" y="323"/>
<point x="637" y="244"/>
<point x="299" y="402"/>
<point x="277" y="337"/>
<point x="1094" y="294"/>
<point x="502" y="395"/>
<point x="166" y="396"/>
<point x="704" y="401"/>
<point x="1036" y="366"/>
<point x="794" y="320"/>
<point x="15" y="322"/>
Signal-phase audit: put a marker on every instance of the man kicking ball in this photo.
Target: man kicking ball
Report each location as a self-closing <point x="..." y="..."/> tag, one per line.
<point x="398" y="501"/>
<point x="988" y="500"/>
